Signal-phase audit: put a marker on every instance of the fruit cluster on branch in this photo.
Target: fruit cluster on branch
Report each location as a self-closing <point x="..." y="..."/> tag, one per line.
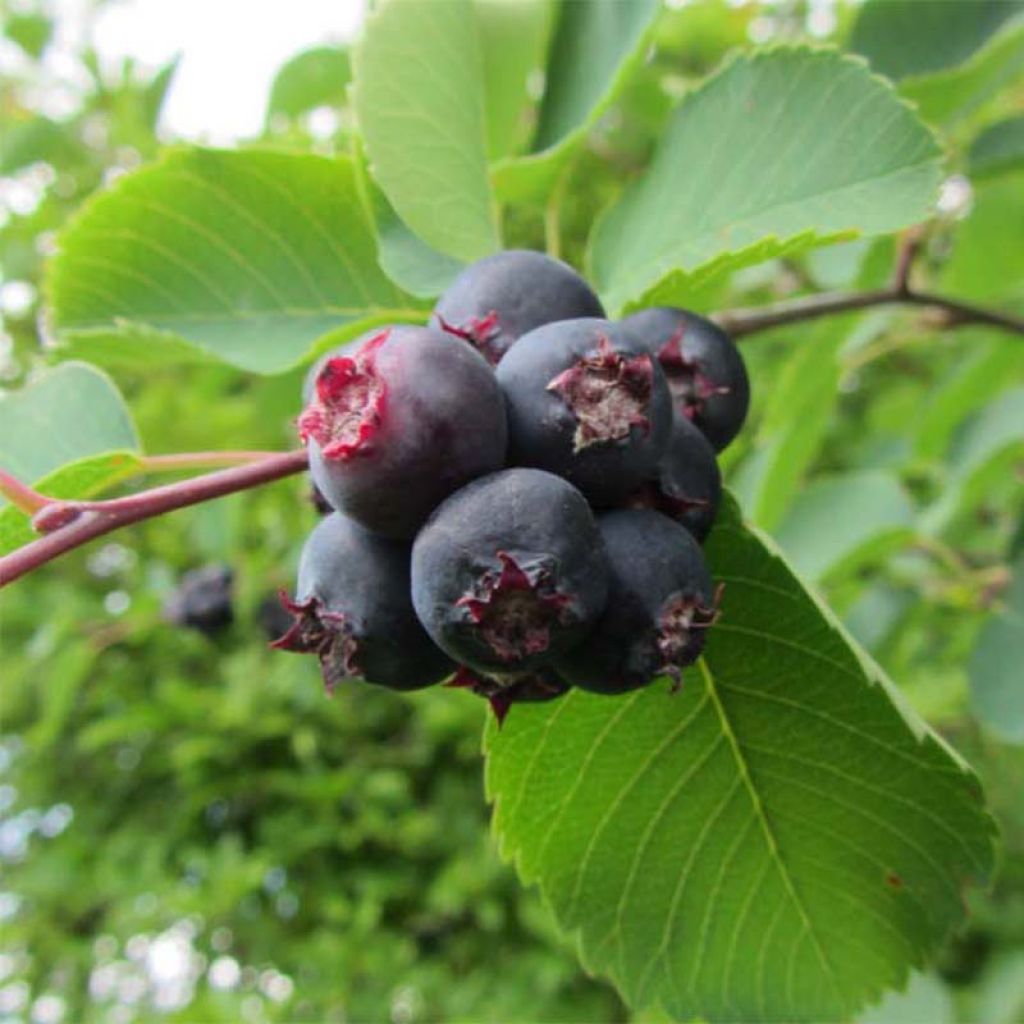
<point x="519" y="491"/>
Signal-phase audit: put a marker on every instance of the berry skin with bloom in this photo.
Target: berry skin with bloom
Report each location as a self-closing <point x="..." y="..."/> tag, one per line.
<point x="509" y="572"/>
<point x="502" y="297"/>
<point x="585" y="401"/>
<point x="352" y="608"/>
<point x="399" y="423"/>
<point x="688" y="487"/>
<point x="660" y="603"/>
<point x="705" y="370"/>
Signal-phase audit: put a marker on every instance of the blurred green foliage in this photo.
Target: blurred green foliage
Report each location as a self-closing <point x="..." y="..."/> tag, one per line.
<point x="191" y="830"/>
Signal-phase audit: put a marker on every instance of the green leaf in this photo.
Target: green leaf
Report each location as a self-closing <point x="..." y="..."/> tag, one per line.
<point x="249" y="256"/>
<point x="313" y="78"/>
<point x="781" y="840"/>
<point x="987" y="264"/>
<point x="597" y="46"/>
<point x="996" y="691"/>
<point x="68" y="433"/>
<point x="513" y="37"/>
<point x="927" y="998"/>
<point x="32" y="32"/>
<point x="409" y="261"/>
<point x="914" y="37"/>
<point x="949" y="96"/>
<point x="36" y="139"/>
<point x="781" y="150"/>
<point x="797" y="418"/>
<point x="839" y="522"/>
<point x="993" y="362"/>
<point x="1000" y="147"/>
<point x="419" y="98"/>
<point x="983" y="453"/>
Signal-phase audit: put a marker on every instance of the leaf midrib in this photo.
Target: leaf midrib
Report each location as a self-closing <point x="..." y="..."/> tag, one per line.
<point x="774" y="852"/>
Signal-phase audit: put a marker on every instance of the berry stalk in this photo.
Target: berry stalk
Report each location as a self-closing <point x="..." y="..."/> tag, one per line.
<point x="70" y="524"/>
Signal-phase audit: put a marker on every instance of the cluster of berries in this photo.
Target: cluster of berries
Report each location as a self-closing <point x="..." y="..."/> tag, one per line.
<point x="521" y="488"/>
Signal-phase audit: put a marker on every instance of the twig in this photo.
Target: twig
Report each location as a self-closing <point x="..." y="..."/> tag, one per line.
<point x="741" y="322"/>
<point x="69" y="524"/>
<point x="21" y="496"/>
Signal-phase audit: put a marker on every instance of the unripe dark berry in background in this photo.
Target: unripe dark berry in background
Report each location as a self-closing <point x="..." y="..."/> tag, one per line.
<point x="398" y="424"/>
<point x="501" y="692"/>
<point x="704" y="367"/>
<point x="509" y="571"/>
<point x="688" y="487"/>
<point x="352" y="608"/>
<point x="585" y="401"/>
<point x="660" y="604"/>
<point x="501" y="297"/>
<point x="202" y="600"/>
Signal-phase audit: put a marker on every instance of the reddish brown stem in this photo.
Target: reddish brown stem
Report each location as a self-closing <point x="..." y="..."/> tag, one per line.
<point x="20" y="495"/>
<point x="741" y="322"/>
<point x="69" y="524"/>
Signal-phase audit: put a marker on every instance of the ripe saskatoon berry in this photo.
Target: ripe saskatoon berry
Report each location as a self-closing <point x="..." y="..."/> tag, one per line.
<point x="660" y="603"/>
<point x="353" y="610"/>
<point x="499" y="298"/>
<point x="688" y="487"/>
<point x="202" y="600"/>
<point x="396" y="425"/>
<point x="704" y="368"/>
<point x="509" y="571"/>
<point x="585" y="401"/>
<point x="501" y="692"/>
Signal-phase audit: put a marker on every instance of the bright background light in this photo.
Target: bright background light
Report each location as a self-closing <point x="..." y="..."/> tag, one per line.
<point x="230" y="50"/>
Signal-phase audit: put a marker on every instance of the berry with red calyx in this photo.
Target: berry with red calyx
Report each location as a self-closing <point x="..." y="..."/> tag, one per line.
<point x="688" y="487"/>
<point x="585" y="401"/>
<point x="353" y="610"/>
<point x="398" y="424"/>
<point x="509" y="571"/>
<point x="660" y="603"/>
<point x="705" y="370"/>
<point x="501" y="692"/>
<point x="501" y="297"/>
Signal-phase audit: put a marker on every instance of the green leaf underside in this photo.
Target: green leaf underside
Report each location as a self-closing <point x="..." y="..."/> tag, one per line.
<point x="996" y="692"/>
<point x="251" y="256"/>
<point x="68" y="433"/>
<point x="419" y="98"/>
<point x="948" y="96"/>
<point x="412" y="264"/>
<point x="313" y="78"/>
<point x="1000" y="147"/>
<point x="797" y="417"/>
<point x="591" y="42"/>
<point x="843" y="519"/>
<point x="514" y="36"/>
<point x="777" y="841"/>
<point x="917" y="37"/>
<point x="596" y="47"/>
<point x="783" y="149"/>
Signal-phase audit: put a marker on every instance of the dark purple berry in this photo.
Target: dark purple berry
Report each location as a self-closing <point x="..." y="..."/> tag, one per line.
<point x="704" y="368"/>
<point x="509" y="571"/>
<point x="501" y="692"/>
<point x="660" y="603"/>
<point x="688" y="487"/>
<point x="395" y="426"/>
<point x="202" y="600"/>
<point x="501" y="297"/>
<point x="353" y="610"/>
<point x="585" y="401"/>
